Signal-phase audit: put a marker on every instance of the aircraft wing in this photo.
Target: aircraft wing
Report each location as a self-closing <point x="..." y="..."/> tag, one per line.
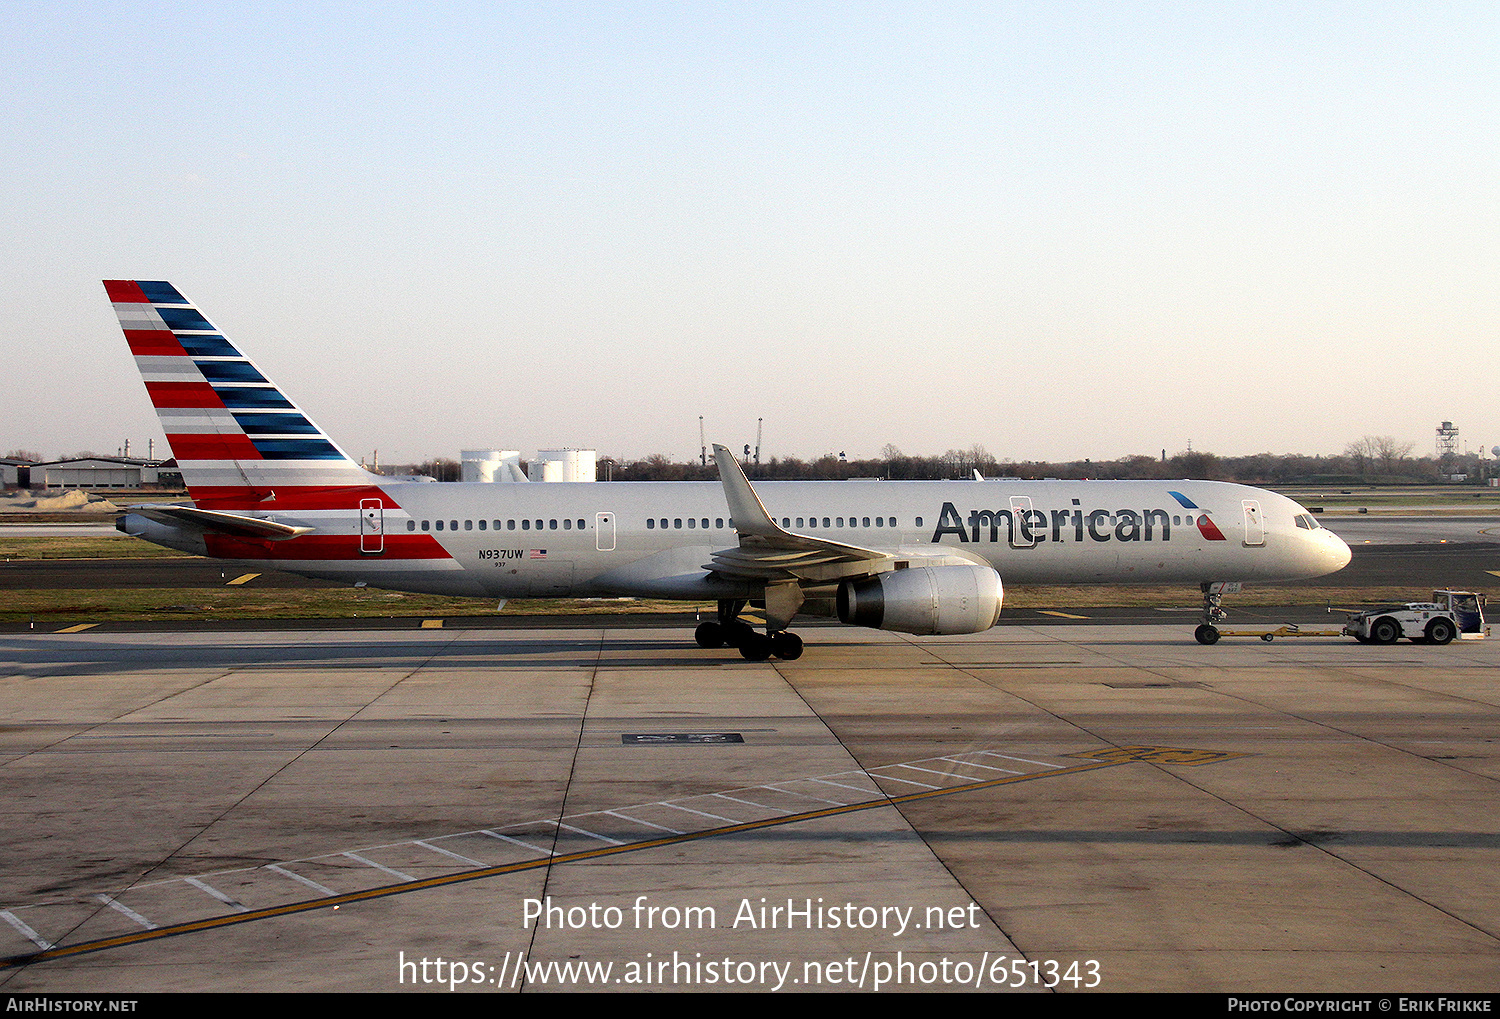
<point x="768" y="552"/>
<point x="233" y="524"/>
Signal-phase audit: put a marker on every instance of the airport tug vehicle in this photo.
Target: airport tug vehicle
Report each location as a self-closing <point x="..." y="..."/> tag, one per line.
<point x="1448" y="615"/>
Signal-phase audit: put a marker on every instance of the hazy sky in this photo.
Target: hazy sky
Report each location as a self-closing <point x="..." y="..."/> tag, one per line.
<point x="1059" y="230"/>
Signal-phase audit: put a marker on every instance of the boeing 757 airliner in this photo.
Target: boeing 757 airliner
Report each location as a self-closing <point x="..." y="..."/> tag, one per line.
<point x="921" y="557"/>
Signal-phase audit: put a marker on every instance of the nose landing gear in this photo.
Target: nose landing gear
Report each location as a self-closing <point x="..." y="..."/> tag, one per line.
<point x="1213" y="613"/>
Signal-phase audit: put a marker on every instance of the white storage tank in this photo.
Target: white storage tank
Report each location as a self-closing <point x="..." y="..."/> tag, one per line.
<point x="563" y="465"/>
<point x="490" y="465"/>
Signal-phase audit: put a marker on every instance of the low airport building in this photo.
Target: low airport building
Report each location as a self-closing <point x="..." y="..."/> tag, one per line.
<point x="100" y="472"/>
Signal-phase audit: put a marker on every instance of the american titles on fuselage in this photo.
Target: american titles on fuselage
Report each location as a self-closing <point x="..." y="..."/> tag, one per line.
<point x="1026" y="526"/>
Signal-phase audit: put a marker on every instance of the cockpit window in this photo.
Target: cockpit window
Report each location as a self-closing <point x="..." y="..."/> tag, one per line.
<point x="1308" y="522"/>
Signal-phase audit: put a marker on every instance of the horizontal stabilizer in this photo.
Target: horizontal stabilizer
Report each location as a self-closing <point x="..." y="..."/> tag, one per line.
<point x="232" y="524"/>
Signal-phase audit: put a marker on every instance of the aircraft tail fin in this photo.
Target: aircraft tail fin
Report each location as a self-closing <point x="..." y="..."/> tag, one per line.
<point x="238" y="440"/>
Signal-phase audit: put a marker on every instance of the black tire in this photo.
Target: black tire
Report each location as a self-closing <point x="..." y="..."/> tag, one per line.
<point x="736" y="633"/>
<point x="709" y="635"/>
<point x="786" y="646"/>
<point x="1268" y="637"/>
<point x="1385" y="630"/>
<point x="1441" y="631"/>
<point x="1206" y="634"/>
<point x="756" y="647"/>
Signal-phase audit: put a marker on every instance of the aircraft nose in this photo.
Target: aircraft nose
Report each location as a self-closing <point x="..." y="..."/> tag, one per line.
<point x="1337" y="551"/>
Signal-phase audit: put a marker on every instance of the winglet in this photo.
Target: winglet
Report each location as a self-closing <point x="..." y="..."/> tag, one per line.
<point x="750" y="516"/>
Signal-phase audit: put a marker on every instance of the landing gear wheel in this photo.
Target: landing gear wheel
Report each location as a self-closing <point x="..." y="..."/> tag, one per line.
<point x="736" y="633"/>
<point x="709" y="634"/>
<point x="786" y="646"/>
<point x="1385" y="631"/>
<point x="1440" y="631"/>
<point x="756" y="647"/>
<point x="1206" y="634"/>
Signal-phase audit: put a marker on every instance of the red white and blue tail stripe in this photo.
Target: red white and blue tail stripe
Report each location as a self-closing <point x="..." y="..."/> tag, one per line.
<point x="265" y="481"/>
<point x="239" y="441"/>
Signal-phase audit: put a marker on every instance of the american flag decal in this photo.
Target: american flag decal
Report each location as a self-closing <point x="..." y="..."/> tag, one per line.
<point x="538" y="553"/>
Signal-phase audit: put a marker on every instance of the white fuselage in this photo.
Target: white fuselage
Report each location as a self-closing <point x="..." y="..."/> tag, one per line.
<point x="515" y="540"/>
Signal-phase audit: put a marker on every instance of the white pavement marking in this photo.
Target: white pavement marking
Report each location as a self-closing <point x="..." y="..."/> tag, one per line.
<point x="16" y="922"/>
<point x="845" y="785"/>
<point x="748" y="803"/>
<point x="700" y="813"/>
<point x="976" y="764"/>
<point x="636" y="820"/>
<point x="215" y="893"/>
<point x="590" y="834"/>
<point x="523" y="845"/>
<point x="378" y="866"/>
<point x="860" y="782"/>
<point x="908" y="781"/>
<point x="125" y="910"/>
<point x="805" y="796"/>
<point x="1023" y="760"/>
<point x="298" y="877"/>
<point x="445" y="852"/>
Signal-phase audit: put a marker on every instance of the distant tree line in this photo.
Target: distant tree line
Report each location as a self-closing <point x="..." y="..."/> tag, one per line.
<point x="1371" y="460"/>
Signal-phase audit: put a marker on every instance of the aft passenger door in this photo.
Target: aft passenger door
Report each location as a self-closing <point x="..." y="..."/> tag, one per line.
<point x="604" y="532"/>
<point x="371" y="527"/>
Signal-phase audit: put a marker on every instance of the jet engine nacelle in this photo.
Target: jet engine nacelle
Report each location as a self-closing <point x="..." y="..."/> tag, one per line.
<point x="924" y="600"/>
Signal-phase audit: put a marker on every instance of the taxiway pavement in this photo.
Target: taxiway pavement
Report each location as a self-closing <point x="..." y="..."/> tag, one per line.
<point x="1105" y="804"/>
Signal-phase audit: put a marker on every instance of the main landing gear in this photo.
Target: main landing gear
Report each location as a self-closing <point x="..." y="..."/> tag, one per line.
<point x="731" y="631"/>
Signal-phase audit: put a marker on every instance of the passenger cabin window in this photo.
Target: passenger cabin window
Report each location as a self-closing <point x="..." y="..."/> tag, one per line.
<point x="411" y="525"/>
<point x="424" y="525"/>
<point x="468" y="525"/>
<point x="440" y="525"/>
<point x="526" y="525"/>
